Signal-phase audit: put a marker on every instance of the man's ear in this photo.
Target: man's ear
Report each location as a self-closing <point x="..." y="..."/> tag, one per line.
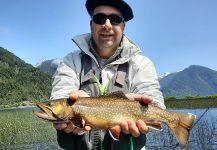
<point x="91" y="25"/>
<point x="124" y="26"/>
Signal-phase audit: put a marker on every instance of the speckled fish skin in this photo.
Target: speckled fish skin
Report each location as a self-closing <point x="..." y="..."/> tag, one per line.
<point x="106" y="111"/>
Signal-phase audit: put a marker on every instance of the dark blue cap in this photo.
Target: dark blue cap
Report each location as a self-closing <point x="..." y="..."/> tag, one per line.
<point x="121" y="5"/>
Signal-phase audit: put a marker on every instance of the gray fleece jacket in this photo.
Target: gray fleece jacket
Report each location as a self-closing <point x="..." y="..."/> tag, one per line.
<point x="141" y="78"/>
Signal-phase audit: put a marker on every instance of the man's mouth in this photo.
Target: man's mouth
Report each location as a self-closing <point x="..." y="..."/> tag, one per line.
<point x="106" y="36"/>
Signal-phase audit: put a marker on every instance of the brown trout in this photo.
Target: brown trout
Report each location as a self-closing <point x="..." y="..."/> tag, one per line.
<point x="104" y="112"/>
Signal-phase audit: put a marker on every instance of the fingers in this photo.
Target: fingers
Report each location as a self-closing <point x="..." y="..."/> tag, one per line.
<point x="124" y="127"/>
<point x="79" y="93"/>
<point x="87" y="128"/>
<point x="75" y="130"/>
<point x="146" y="99"/>
<point x="139" y="97"/>
<point x="133" y="96"/>
<point x="73" y="96"/>
<point x="143" y="128"/>
<point x="134" y="127"/>
<point x="69" y="127"/>
<point x="59" y="126"/>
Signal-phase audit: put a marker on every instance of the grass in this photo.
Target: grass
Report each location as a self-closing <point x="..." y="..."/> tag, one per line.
<point x="22" y="130"/>
<point x="191" y="103"/>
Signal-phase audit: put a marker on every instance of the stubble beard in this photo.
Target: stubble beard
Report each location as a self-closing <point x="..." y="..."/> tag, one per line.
<point x="106" y="45"/>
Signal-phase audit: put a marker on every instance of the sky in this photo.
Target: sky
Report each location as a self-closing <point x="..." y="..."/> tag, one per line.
<point x="174" y="34"/>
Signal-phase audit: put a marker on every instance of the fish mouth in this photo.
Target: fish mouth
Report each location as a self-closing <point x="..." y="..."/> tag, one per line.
<point x="45" y="113"/>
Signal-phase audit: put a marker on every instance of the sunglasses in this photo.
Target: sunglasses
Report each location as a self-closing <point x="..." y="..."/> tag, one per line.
<point x="101" y="18"/>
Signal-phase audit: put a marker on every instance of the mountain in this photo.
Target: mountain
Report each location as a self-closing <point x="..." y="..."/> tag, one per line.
<point x="166" y="78"/>
<point x="20" y="81"/>
<point x="164" y="75"/>
<point x="48" y="66"/>
<point x="193" y="81"/>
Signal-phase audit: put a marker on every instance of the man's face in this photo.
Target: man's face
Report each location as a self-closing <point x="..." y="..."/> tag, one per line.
<point x="107" y="36"/>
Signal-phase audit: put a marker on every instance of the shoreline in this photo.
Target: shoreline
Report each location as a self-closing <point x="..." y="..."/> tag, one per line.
<point x="17" y="108"/>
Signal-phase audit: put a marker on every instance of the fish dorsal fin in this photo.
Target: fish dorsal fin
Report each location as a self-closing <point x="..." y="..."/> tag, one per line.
<point x="115" y="132"/>
<point x="117" y="94"/>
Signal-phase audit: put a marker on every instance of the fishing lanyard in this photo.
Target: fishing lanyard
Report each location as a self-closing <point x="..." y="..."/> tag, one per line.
<point x="131" y="143"/>
<point x="201" y="117"/>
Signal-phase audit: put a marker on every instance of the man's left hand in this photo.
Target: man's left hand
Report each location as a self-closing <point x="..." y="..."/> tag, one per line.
<point x="139" y="126"/>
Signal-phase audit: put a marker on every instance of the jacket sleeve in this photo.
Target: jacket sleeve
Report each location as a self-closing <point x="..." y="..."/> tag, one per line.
<point x="66" y="77"/>
<point x="144" y="79"/>
<point x="65" y="80"/>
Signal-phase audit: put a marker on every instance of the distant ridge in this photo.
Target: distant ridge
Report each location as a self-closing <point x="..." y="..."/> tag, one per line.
<point x="166" y="78"/>
<point x="21" y="81"/>
<point x="49" y="66"/>
<point x="193" y="81"/>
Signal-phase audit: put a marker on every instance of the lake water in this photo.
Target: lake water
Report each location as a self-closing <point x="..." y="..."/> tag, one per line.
<point x="203" y="135"/>
<point x="24" y="108"/>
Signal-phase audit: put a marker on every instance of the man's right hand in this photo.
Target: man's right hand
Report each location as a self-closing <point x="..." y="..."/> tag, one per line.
<point x="70" y="127"/>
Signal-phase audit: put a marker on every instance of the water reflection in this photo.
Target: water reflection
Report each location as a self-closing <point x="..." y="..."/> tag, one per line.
<point x="203" y="135"/>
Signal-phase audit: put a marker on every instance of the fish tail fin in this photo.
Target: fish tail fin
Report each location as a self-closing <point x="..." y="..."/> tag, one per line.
<point x="181" y="130"/>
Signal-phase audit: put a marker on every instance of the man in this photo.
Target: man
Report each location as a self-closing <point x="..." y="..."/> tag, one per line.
<point x="108" y="54"/>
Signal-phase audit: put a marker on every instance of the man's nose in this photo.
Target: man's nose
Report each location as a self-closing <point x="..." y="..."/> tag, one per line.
<point x="107" y="25"/>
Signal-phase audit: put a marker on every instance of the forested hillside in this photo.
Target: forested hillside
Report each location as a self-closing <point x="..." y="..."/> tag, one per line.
<point x="20" y="81"/>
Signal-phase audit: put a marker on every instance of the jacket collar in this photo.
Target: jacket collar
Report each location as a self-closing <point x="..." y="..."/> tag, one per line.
<point x="130" y="49"/>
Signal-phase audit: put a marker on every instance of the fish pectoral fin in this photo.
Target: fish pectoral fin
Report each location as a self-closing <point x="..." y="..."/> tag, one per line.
<point x="77" y="121"/>
<point x="154" y="124"/>
<point x="115" y="132"/>
<point x="155" y="128"/>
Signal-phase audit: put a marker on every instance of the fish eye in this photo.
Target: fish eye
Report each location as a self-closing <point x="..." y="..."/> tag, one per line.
<point x="49" y="104"/>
